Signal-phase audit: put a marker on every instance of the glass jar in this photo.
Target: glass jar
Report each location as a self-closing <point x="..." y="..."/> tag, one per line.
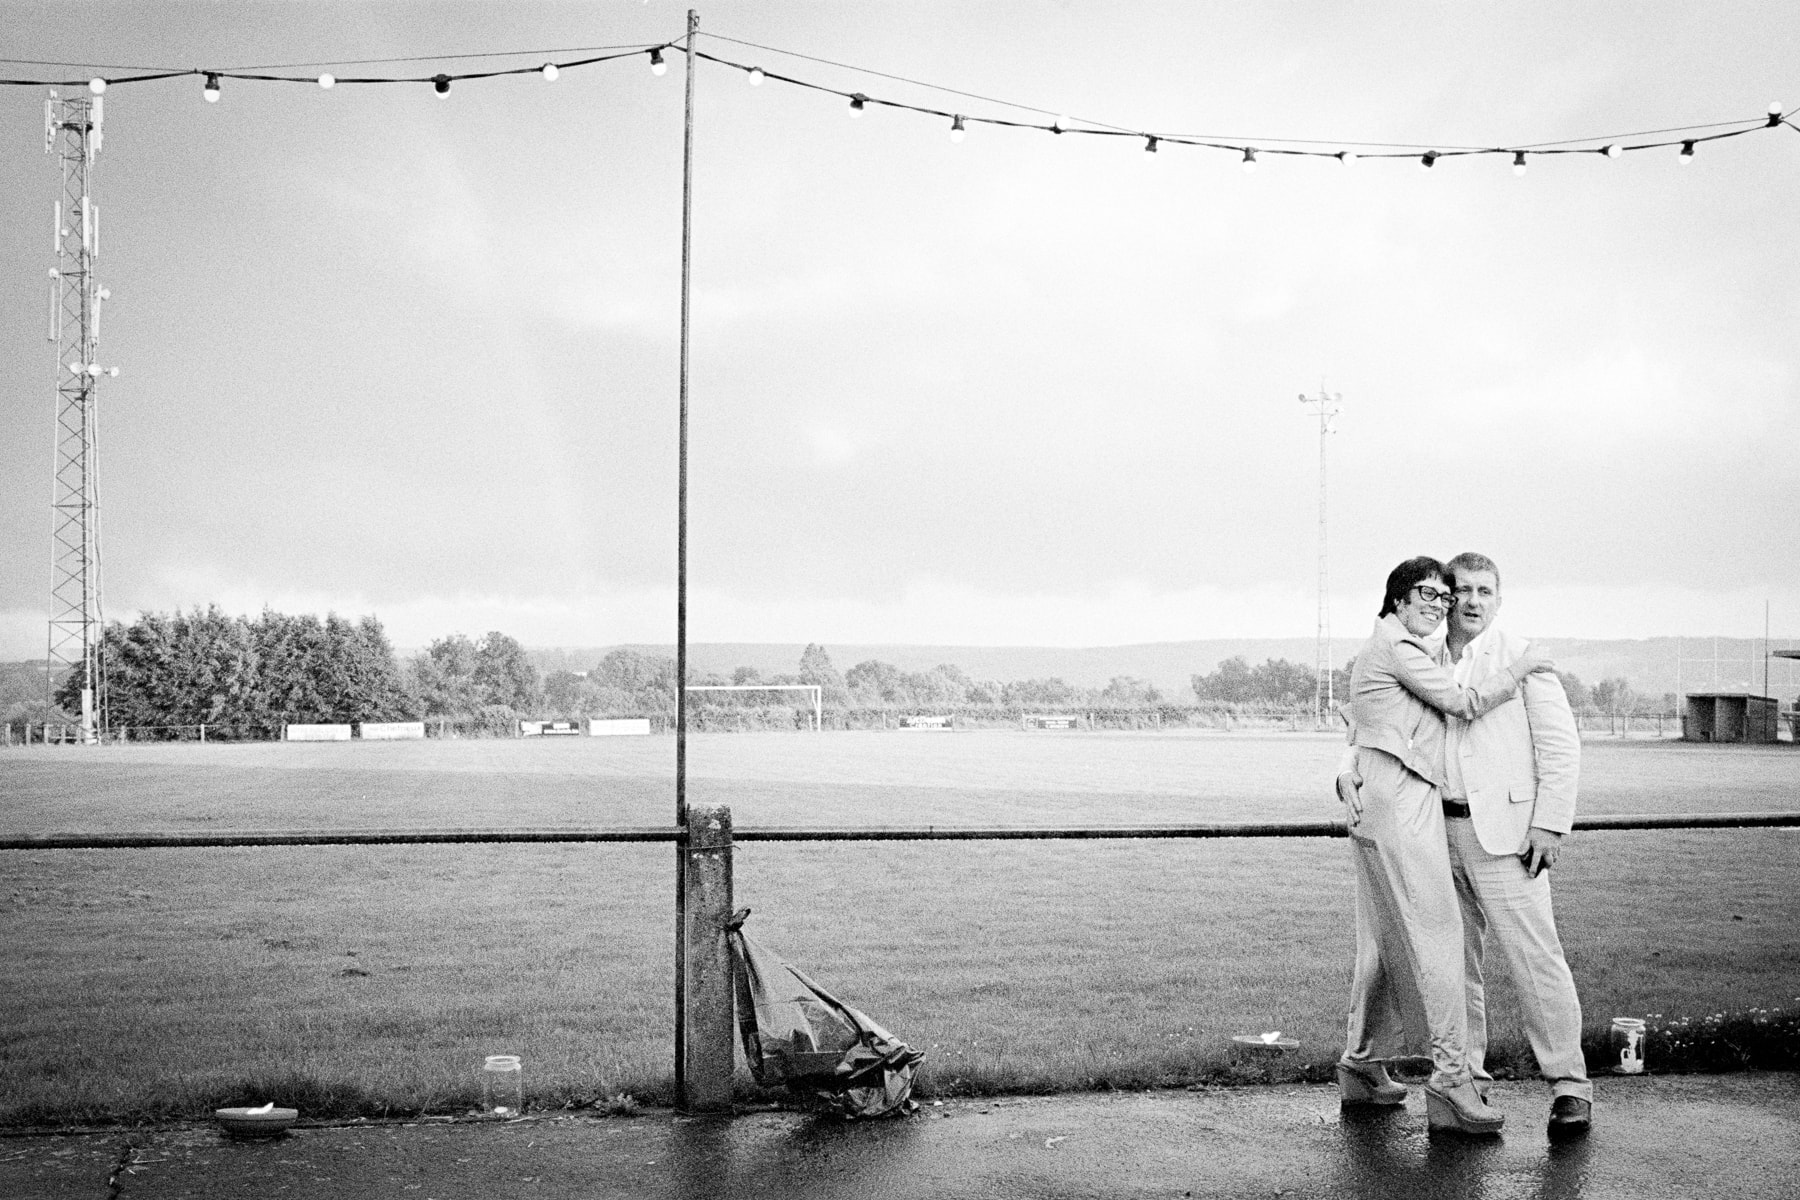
<point x="1627" y="1046"/>
<point x="502" y="1086"/>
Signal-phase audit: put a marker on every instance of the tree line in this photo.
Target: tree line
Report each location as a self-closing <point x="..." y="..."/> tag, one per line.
<point x="1278" y="684"/>
<point x="246" y="677"/>
<point x="627" y="678"/>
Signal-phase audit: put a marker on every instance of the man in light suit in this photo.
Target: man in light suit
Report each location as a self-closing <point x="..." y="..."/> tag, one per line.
<point x="1509" y="799"/>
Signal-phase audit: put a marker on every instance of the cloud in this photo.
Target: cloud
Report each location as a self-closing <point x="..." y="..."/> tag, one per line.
<point x="931" y="611"/>
<point x="1651" y="611"/>
<point x="831" y="447"/>
<point x="443" y="221"/>
<point x="935" y="611"/>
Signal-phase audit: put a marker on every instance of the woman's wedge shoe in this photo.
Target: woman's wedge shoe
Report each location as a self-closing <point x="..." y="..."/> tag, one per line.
<point x="1461" y="1110"/>
<point x="1368" y="1083"/>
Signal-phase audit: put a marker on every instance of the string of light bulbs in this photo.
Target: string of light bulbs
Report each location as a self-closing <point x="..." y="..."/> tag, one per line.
<point x="1611" y="146"/>
<point x="1249" y="150"/>
<point x="213" y="78"/>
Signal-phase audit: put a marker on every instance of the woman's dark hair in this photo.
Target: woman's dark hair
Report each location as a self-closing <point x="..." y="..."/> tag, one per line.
<point x="1403" y="578"/>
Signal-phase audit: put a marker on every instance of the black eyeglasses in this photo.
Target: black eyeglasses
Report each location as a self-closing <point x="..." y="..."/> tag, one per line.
<point x="1430" y="595"/>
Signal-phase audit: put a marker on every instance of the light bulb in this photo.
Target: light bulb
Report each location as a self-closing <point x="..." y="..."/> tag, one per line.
<point x="856" y="104"/>
<point x="549" y="72"/>
<point x="1249" y="160"/>
<point x="1774" y="113"/>
<point x="328" y="81"/>
<point x="1346" y="157"/>
<point x="96" y="85"/>
<point x="106" y="293"/>
<point x="1518" y="162"/>
<point x="756" y="76"/>
<point x="211" y="90"/>
<point x="1428" y="160"/>
<point x="78" y="368"/>
<point x="657" y="65"/>
<point x="956" y="128"/>
<point x="112" y="372"/>
<point x="1611" y="150"/>
<point x="55" y="274"/>
<point x="1687" y="154"/>
<point x="94" y="370"/>
<point x="1061" y="125"/>
<point x="441" y="85"/>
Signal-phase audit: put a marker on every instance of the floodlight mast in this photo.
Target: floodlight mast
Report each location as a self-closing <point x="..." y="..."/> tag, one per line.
<point x="1328" y="406"/>
<point x="72" y="132"/>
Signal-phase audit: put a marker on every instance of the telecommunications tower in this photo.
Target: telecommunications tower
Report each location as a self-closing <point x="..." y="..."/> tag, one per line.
<point x="1329" y="406"/>
<point x="72" y="132"/>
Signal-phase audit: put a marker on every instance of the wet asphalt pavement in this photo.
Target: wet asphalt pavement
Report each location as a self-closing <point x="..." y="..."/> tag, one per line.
<point x="1685" y="1136"/>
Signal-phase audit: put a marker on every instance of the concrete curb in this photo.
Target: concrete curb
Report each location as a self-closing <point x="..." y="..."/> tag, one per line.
<point x="1678" y="1136"/>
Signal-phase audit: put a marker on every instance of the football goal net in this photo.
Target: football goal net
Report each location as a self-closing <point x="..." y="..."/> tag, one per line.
<point x="813" y="688"/>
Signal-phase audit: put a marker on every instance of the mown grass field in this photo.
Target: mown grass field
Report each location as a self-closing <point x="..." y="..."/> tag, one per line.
<point x="155" y="983"/>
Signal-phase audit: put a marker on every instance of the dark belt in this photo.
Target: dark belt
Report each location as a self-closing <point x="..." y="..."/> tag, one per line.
<point x="1455" y="808"/>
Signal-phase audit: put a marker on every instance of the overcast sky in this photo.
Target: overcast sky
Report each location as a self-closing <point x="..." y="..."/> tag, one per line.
<point x="386" y="353"/>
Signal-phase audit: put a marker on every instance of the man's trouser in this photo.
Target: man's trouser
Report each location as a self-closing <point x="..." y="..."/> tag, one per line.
<point x="1502" y="903"/>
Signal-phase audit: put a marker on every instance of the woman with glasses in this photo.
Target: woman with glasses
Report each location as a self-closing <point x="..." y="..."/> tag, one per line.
<point x="1407" y="994"/>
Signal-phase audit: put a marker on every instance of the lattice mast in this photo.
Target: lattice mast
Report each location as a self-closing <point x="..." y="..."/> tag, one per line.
<point x="72" y="132"/>
<point x="1328" y="407"/>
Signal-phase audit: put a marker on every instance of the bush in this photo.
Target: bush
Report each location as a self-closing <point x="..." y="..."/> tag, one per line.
<point x="496" y="720"/>
<point x="1748" y="1039"/>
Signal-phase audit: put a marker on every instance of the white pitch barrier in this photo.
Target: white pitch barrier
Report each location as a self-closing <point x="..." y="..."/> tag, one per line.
<point x="549" y="729"/>
<point x="618" y="727"/>
<point x="1051" y="721"/>
<point x="316" y="733"/>
<point x="390" y="731"/>
<point x="945" y="723"/>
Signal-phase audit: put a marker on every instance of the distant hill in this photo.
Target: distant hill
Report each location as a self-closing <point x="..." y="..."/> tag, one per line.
<point x="22" y="685"/>
<point x="1651" y="665"/>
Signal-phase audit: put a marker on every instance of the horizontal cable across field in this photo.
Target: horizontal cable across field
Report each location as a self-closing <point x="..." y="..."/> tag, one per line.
<point x="869" y="833"/>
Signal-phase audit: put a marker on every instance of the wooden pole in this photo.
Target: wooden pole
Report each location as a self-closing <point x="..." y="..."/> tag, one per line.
<point x="707" y="1040"/>
<point x="681" y="506"/>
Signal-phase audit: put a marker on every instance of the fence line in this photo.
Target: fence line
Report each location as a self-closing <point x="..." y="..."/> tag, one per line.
<point x="152" y="840"/>
<point x="704" y="1024"/>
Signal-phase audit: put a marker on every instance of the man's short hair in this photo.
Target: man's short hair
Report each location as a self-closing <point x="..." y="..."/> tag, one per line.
<point x="1408" y="575"/>
<point x="1468" y="560"/>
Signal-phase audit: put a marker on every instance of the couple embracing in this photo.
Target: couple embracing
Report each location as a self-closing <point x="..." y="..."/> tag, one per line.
<point x="1460" y="786"/>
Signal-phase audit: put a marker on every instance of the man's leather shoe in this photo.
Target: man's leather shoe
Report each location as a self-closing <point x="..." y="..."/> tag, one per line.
<point x="1570" y="1117"/>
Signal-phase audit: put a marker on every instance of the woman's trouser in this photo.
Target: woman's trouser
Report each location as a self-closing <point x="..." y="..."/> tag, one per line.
<point x="1407" y="995"/>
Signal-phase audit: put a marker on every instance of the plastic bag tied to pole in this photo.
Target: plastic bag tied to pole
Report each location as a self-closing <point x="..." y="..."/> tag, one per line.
<point x="798" y="1034"/>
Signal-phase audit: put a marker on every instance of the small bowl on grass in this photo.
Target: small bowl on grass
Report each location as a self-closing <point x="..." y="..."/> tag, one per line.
<point x="264" y="1122"/>
<point x="1258" y="1055"/>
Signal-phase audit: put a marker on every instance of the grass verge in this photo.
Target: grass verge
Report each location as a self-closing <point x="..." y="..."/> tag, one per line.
<point x="363" y="981"/>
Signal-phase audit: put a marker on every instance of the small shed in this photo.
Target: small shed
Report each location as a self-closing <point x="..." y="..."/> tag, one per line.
<point x="1729" y="717"/>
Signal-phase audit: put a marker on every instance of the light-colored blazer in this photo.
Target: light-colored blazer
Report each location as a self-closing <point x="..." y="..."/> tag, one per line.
<point x="1521" y="762"/>
<point x="1399" y="693"/>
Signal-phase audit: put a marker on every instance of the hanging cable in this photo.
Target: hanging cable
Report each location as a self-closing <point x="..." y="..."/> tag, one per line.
<point x="1249" y="150"/>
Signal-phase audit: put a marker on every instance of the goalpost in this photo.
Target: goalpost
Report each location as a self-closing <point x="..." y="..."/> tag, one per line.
<point x="815" y="689"/>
